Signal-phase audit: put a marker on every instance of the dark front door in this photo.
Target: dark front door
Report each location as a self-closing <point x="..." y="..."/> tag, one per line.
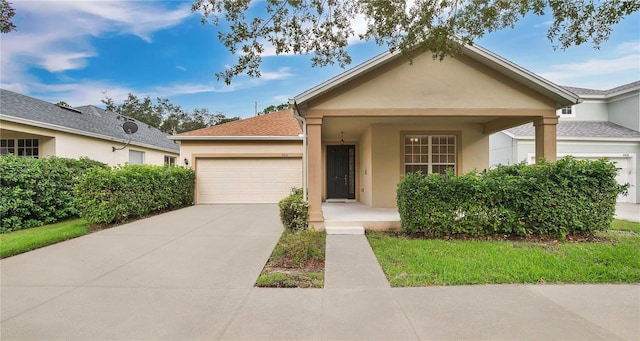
<point x="341" y="172"/>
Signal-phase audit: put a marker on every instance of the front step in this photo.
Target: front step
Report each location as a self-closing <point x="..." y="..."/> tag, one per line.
<point x="344" y="229"/>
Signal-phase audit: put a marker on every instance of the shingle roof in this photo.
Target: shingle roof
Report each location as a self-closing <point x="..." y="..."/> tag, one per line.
<point x="281" y="123"/>
<point x="594" y="92"/>
<point x="596" y="129"/>
<point x="86" y="119"/>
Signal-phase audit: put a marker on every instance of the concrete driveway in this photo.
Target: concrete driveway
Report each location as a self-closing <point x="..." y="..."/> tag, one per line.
<point x="178" y="275"/>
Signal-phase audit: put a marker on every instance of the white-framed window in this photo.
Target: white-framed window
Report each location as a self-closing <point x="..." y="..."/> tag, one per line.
<point x="429" y="153"/>
<point x="136" y="157"/>
<point x="169" y="161"/>
<point x="569" y="111"/>
<point x="20" y="147"/>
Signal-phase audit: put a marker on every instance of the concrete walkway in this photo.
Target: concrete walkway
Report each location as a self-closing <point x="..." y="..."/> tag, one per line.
<point x="189" y="274"/>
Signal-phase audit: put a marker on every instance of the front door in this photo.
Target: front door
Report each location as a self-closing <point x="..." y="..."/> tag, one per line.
<point x="341" y="172"/>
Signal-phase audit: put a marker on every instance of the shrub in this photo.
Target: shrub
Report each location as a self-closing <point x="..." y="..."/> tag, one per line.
<point x="294" y="210"/>
<point x="566" y="197"/>
<point x="35" y="192"/>
<point x="106" y="196"/>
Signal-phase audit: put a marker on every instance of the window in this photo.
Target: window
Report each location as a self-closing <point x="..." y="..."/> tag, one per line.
<point x="7" y="146"/>
<point x="25" y="147"/>
<point x="566" y="112"/>
<point x="429" y="153"/>
<point x="169" y="161"/>
<point x="136" y="157"/>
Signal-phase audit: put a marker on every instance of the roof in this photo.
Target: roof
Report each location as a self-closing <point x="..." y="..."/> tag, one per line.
<point x="580" y="129"/>
<point x="86" y="120"/>
<point x="525" y="77"/>
<point x="619" y="90"/>
<point x="279" y="124"/>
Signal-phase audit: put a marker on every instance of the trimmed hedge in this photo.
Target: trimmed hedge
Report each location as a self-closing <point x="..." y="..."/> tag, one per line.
<point x="106" y="196"/>
<point x="294" y="211"/>
<point x="557" y="199"/>
<point x="35" y="192"/>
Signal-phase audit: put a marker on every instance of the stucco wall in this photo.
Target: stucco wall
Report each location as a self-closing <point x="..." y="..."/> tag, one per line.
<point x="61" y="144"/>
<point x="365" y="167"/>
<point x="626" y="112"/>
<point x="452" y="83"/>
<point x="589" y="110"/>
<point x="192" y="149"/>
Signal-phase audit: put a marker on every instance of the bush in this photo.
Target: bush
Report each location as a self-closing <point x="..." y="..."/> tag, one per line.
<point x="566" y="197"/>
<point x="106" y="196"/>
<point x="35" y="192"/>
<point x="294" y="210"/>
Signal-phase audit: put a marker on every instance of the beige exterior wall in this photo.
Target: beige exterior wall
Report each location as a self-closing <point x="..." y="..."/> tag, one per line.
<point x="194" y="149"/>
<point x="61" y="144"/>
<point x="452" y="83"/>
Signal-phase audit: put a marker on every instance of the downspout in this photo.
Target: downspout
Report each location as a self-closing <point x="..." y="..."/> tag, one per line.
<point x="296" y="115"/>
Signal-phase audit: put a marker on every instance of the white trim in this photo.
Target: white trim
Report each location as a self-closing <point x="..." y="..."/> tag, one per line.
<point x="236" y="138"/>
<point x="632" y="177"/>
<point x="81" y="132"/>
<point x="586" y="138"/>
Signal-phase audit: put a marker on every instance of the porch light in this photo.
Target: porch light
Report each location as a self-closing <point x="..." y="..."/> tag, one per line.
<point x="342" y="137"/>
<point x="186" y="161"/>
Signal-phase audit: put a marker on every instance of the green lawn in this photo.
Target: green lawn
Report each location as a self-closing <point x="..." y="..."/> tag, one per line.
<point x="25" y="240"/>
<point x="418" y="262"/>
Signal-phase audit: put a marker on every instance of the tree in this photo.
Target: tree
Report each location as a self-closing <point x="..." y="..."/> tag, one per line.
<point x="323" y="27"/>
<point x="63" y="104"/>
<point x="6" y="14"/>
<point x="274" y="108"/>
<point x="164" y="115"/>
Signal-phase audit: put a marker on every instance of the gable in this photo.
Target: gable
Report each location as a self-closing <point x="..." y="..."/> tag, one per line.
<point x="455" y="82"/>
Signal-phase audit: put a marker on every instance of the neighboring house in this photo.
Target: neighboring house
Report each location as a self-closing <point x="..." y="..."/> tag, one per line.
<point x="31" y="127"/>
<point x="605" y="124"/>
<point x="369" y="125"/>
<point x="255" y="160"/>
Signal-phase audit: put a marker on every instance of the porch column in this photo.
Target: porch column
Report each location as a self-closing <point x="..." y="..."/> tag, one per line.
<point x="314" y="172"/>
<point x="546" y="145"/>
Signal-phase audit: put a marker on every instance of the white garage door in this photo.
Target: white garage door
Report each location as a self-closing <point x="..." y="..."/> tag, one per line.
<point x="246" y="180"/>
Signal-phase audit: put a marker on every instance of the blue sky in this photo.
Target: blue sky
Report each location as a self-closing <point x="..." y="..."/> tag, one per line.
<point x="80" y="51"/>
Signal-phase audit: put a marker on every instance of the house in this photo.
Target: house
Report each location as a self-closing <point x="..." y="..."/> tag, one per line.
<point x="34" y="128"/>
<point x="255" y="160"/>
<point x="369" y="125"/>
<point x="605" y="124"/>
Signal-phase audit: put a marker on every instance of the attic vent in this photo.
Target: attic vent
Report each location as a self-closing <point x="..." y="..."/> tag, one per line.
<point x="69" y="108"/>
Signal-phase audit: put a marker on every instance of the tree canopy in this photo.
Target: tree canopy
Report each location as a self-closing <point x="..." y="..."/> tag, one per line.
<point x="274" y="108"/>
<point x="6" y="15"/>
<point x="164" y="115"/>
<point x="324" y="28"/>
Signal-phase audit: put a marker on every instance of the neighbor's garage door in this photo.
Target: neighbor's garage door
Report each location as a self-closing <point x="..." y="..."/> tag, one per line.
<point x="246" y="180"/>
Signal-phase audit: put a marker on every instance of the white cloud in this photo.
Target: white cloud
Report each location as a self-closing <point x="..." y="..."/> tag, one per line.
<point x="599" y="73"/>
<point x="181" y="68"/>
<point x="55" y="35"/>
<point x="544" y="24"/>
<point x="281" y="98"/>
<point x="282" y="73"/>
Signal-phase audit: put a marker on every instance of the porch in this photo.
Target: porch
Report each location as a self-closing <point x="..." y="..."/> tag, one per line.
<point x="348" y="214"/>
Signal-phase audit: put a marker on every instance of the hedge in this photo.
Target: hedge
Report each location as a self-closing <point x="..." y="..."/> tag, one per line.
<point x="35" y="192"/>
<point x="106" y="196"/>
<point x="294" y="211"/>
<point x="563" y="198"/>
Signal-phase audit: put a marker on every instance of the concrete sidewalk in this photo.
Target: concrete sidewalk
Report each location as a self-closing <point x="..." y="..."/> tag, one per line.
<point x="189" y="275"/>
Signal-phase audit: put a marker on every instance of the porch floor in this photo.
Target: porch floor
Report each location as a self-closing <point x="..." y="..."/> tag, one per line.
<point x="359" y="214"/>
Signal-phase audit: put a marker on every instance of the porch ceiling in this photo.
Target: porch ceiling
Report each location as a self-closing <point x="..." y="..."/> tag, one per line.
<point x="354" y="127"/>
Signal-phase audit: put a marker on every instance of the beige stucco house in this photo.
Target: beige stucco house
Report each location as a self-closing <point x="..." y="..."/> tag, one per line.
<point x="30" y="127"/>
<point x="365" y="128"/>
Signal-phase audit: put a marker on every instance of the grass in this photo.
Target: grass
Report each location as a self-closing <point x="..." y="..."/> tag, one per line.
<point x="297" y="261"/>
<point x="625" y="225"/>
<point x="26" y="240"/>
<point x="407" y="262"/>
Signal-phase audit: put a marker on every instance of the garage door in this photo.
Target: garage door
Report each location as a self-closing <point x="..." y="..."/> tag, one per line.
<point x="246" y="180"/>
